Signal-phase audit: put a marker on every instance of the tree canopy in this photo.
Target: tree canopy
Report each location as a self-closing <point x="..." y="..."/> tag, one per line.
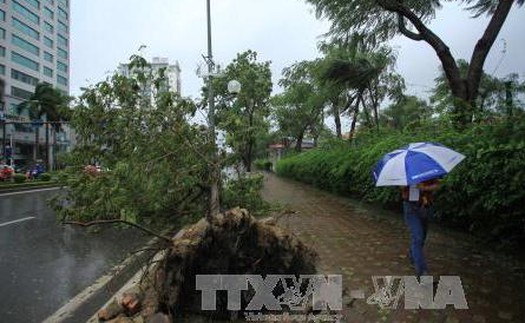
<point x="154" y="163"/>
<point x="380" y="20"/>
<point x="49" y="102"/>
<point x="244" y="116"/>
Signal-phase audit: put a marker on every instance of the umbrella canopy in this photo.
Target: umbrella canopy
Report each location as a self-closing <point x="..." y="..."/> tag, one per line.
<point x="415" y="163"/>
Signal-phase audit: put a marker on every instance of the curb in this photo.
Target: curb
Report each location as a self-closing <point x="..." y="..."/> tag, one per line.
<point x="129" y="284"/>
<point x="27" y="188"/>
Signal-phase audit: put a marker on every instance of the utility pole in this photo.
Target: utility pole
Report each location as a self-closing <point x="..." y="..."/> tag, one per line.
<point x="508" y="98"/>
<point x="214" y="171"/>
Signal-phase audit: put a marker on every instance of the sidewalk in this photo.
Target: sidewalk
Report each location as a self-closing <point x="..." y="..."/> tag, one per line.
<point x="360" y="241"/>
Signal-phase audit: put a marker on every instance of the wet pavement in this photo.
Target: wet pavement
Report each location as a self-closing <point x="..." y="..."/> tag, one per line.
<point x="44" y="264"/>
<point x="359" y="241"/>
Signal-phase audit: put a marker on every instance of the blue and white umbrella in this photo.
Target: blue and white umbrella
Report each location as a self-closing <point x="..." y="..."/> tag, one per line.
<point x="415" y="163"/>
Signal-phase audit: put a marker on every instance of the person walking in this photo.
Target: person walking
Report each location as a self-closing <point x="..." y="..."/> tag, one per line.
<point x="417" y="209"/>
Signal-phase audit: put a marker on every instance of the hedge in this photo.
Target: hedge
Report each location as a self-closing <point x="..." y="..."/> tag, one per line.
<point x="263" y="164"/>
<point x="484" y="194"/>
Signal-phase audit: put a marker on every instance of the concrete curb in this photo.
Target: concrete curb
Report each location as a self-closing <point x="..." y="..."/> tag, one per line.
<point x="27" y="188"/>
<point x="129" y="284"/>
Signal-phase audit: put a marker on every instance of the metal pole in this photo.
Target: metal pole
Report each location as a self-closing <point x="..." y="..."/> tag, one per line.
<point x="215" y="171"/>
<point x="3" y="137"/>
<point x="508" y="98"/>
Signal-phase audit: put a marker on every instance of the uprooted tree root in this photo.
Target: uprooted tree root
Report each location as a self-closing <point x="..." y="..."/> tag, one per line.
<point x="233" y="243"/>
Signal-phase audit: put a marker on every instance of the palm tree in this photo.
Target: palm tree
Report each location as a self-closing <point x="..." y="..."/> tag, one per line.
<point x="51" y="103"/>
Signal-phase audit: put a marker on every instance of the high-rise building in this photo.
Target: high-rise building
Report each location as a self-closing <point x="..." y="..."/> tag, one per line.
<point x="172" y="73"/>
<point x="34" y="48"/>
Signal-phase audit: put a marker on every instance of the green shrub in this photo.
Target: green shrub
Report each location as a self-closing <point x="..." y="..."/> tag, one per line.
<point x="263" y="164"/>
<point x="45" y="177"/>
<point x="19" y="178"/>
<point x="484" y="194"/>
<point x="245" y="192"/>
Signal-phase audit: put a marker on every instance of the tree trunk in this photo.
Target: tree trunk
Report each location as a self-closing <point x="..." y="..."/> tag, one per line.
<point x="374" y="104"/>
<point x="354" y="120"/>
<point x="482" y="49"/>
<point x="47" y="147"/>
<point x="337" y="119"/>
<point x="36" y="151"/>
<point x="366" y="110"/>
<point x="299" y="142"/>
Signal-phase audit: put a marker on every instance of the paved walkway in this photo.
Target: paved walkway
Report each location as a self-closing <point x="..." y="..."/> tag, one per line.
<point x="360" y="241"/>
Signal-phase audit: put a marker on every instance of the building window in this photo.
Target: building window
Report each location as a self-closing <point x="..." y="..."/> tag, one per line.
<point x="48" y="42"/>
<point x="2" y="51"/>
<point x="62" y="41"/>
<point x="62" y="13"/>
<point x="19" y="93"/>
<point x="24" y="61"/>
<point x="62" y="27"/>
<point x="62" y="80"/>
<point x="25" y="45"/>
<point x="48" y="71"/>
<point x="26" y="29"/>
<point x="62" y="53"/>
<point x="22" y="127"/>
<point x="2" y="15"/>
<point x="48" y="57"/>
<point x="51" y="2"/>
<point x="63" y="3"/>
<point x="34" y="3"/>
<point x="2" y="33"/>
<point x="62" y="67"/>
<point x="48" y="13"/>
<point x="23" y="77"/>
<point x="24" y="12"/>
<point x="48" y="27"/>
<point x="2" y="69"/>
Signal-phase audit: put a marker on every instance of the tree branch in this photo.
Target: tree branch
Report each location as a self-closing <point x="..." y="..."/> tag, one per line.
<point x="484" y="45"/>
<point x="113" y="221"/>
<point x="450" y="67"/>
<point x="404" y="30"/>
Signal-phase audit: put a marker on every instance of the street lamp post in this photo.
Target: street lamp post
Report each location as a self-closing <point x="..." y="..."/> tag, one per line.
<point x="233" y="87"/>
<point x="215" y="171"/>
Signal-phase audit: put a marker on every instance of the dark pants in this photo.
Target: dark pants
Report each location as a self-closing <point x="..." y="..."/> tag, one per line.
<point x="416" y="218"/>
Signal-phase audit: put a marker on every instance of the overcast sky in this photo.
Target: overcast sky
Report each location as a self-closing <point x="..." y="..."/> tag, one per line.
<point x="105" y="33"/>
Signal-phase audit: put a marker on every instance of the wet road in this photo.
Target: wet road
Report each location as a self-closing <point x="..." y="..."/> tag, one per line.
<point x="44" y="264"/>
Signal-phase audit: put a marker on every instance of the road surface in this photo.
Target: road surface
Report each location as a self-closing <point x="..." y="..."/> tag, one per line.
<point x="44" y="264"/>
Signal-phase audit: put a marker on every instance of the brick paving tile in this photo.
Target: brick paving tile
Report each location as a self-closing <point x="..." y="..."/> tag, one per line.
<point x="359" y="241"/>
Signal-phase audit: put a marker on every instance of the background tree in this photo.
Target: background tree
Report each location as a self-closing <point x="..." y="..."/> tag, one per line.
<point x="382" y="19"/>
<point x="244" y="117"/>
<point x="494" y="94"/>
<point x="406" y="111"/>
<point x="299" y="109"/>
<point x="50" y="103"/>
<point x="365" y="78"/>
